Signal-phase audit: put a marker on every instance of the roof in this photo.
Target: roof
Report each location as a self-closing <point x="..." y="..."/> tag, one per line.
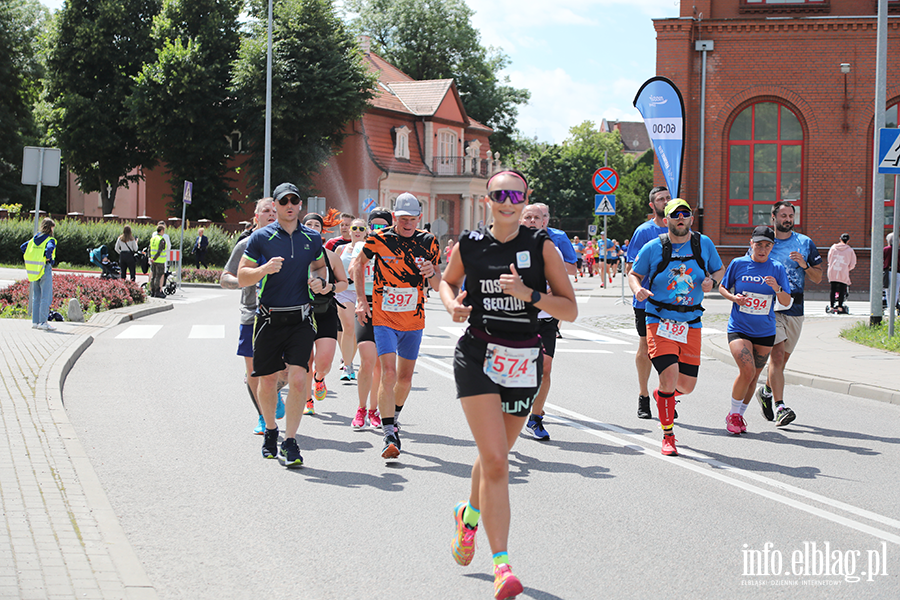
<point x="634" y="135"/>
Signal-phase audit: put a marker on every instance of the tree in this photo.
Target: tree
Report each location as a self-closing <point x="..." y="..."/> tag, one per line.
<point x="434" y="39"/>
<point x="319" y="85"/>
<point x="96" y="49"/>
<point x="181" y="105"/>
<point x="21" y="22"/>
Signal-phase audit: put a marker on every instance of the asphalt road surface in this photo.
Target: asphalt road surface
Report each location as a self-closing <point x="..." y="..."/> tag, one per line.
<point x="597" y="512"/>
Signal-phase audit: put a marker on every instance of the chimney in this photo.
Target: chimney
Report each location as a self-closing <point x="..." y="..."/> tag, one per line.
<point x="365" y="44"/>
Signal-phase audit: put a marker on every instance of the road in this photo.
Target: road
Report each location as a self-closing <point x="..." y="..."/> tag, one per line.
<point x="162" y="412"/>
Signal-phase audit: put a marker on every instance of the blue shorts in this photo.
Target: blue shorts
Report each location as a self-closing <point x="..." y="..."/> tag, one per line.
<point x="245" y="341"/>
<point x="405" y="344"/>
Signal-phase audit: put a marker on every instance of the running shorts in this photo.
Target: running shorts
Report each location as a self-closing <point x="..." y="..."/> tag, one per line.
<point x="787" y="330"/>
<point x="274" y="346"/>
<point x="767" y="340"/>
<point x="327" y="323"/>
<point x="547" y="329"/>
<point x="687" y="353"/>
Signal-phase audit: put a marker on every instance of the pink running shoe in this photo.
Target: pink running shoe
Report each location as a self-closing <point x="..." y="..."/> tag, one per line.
<point x="506" y="585"/>
<point x="359" y="421"/>
<point x="320" y="391"/>
<point x="735" y="424"/>
<point x="374" y="418"/>
<point x="464" y="541"/>
<point x="668" y="445"/>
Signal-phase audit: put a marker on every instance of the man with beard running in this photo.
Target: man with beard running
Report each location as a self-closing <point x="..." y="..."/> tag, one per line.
<point x="801" y="259"/>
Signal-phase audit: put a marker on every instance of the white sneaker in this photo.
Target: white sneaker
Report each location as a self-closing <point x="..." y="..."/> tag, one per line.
<point x="46" y="326"/>
<point x="35" y="325"/>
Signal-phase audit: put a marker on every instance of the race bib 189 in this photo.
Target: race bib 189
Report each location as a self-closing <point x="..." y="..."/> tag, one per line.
<point x="757" y="304"/>
<point x="673" y="330"/>
<point x="511" y="367"/>
<point x="399" y="299"/>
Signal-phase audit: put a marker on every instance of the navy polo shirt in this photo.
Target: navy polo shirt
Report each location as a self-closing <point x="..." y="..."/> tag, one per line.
<point x="288" y="287"/>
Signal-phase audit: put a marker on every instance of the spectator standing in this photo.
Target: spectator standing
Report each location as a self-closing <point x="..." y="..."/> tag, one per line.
<point x="159" y="251"/>
<point x="40" y="256"/>
<point x="841" y="260"/>
<point x="127" y="247"/>
<point x="200" y="247"/>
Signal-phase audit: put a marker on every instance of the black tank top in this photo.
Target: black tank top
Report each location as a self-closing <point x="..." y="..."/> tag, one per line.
<point x="485" y="259"/>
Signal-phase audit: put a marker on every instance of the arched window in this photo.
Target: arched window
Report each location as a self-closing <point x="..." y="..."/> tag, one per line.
<point x="765" y="163"/>
<point x="401" y="147"/>
<point x="890" y="120"/>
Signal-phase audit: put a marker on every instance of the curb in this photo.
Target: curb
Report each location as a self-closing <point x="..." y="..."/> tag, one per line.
<point x="128" y="565"/>
<point x="860" y="390"/>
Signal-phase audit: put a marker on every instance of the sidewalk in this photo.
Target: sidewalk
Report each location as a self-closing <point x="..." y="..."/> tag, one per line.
<point x="59" y="537"/>
<point x="822" y="359"/>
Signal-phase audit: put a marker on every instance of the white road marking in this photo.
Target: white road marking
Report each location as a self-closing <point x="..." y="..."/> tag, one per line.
<point x="704" y="331"/>
<point x="436" y="347"/>
<point x="193" y="298"/>
<point x="582" y="299"/>
<point x="139" y="332"/>
<point x="590" y="336"/>
<point x="713" y="468"/>
<point x="582" y="351"/>
<point x="207" y="332"/>
<point x="457" y="331"/>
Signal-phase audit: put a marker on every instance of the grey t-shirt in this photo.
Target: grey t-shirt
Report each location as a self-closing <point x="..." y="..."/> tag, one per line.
<point x="248" y="294"/>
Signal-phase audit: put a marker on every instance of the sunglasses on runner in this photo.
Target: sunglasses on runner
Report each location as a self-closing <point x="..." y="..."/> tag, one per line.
<point x="500" y="196"/>
<point x="357" y="228"/>
<point x="680" y="214"/>
<point x="377" y="226"/>
<point x="295" y="200"/>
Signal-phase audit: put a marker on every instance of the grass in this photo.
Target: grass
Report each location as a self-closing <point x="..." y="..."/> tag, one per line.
<point x="874" y="337"/>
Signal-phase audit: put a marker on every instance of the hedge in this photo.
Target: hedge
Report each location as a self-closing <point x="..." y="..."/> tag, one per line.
<point x="74" y="238"/>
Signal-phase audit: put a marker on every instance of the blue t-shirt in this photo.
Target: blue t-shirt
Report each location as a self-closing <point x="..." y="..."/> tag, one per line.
<point x="680" y="283"/>
<point x="744" y="275"/>
<point x="562" y="241"/>
<point x="781" y="253"/>
<point x="645" y="232"/>
<point x="288" y="287"/>
<point x="611" y="250"/>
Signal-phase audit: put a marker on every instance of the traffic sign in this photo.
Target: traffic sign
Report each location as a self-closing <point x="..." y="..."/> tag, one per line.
<point x="188" y="192"/>
<point x="592" y="229"/>
<point x="605" y="205"/>
<point x="888" y="150"/>
<point x="605" y="180"/>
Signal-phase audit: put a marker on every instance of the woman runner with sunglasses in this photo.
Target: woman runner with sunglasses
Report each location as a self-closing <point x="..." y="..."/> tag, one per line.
<point x="497" y="362"/>
<point x="347" y="299"/>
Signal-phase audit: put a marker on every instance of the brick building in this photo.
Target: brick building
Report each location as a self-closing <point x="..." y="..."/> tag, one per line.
<point x="790" y="93"/>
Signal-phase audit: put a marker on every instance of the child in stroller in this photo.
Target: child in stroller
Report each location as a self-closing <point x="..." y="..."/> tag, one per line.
<point x="100" y="257"/>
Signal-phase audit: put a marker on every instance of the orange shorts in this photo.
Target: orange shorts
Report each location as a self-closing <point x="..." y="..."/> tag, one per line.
<point x="687" y="353"/>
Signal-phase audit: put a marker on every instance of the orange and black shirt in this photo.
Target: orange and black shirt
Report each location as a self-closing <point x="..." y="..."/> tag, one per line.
<point x="398" y="298"/>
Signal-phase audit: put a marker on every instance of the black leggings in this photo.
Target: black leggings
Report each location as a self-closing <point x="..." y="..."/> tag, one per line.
<point x="838" y="293"/>
<point x="124" y="265"/>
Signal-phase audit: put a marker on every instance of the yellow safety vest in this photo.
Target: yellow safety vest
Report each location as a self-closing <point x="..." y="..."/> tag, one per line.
<point x="35" y="261"/>
<point x="155" y="241"/>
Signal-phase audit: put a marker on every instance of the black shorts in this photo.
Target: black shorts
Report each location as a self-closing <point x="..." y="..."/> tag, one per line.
<point x="468" y="369"/>
<point x="547" y="329"/>
<point x="766" y="340"/>
<point x="364" y="333"/>
<point x="640" y="322"/>
<point x="327" y="323"/>
<point x="275" y="345"/>
<point x="661" y="363"/>
<point x="579" y="262"/>
<point x="612" y="261"/>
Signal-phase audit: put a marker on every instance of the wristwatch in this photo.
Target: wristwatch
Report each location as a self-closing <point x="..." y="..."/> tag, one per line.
<point x="535" y="296"/>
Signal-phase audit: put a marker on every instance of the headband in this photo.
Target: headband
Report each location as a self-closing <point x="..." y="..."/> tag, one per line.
<point x="381" y="214"/>
<point x="507" y="173"/>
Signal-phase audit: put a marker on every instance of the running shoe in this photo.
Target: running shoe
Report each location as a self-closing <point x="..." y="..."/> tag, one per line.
<point x="279" y="410"/>
<point x="320" y="390"/>
<point x="536" y="425"/>
<point x="784" y="417"/>
<point x="270" y="443"/>
<point x="290" y="451"/>
<point x="310" y="408"/>
<point x="644" y="407"/>
<point x="764" y="397"/>
<point x="359" y="421"/>
<point x="353" y="375"/>
<point x="734" y="423"/>
<point x="374" y="418"/>
<point x="345" y="376"/>
<point x="391" y="446"/>
<point x="464" y="542"/>
<point x="506" y="585"/>
<point x="260" y="426"/>
<point x="668" y="445"/>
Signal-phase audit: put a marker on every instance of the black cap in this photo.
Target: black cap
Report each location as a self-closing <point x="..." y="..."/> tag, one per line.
<point x="763" y="234"/>
<point x="381" y="214"/>
<point x="284" y="189"/>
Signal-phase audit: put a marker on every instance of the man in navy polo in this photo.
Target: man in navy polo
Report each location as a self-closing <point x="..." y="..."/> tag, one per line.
<point x="280" y="258"/>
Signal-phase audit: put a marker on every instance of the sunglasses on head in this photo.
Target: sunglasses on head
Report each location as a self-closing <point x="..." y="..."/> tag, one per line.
<point x="295" y="200"/>
<point x="357" y="228"/>
<point x="377" y="226"/>
<point x="680" y="214"/>
<point x="500" y="196"/>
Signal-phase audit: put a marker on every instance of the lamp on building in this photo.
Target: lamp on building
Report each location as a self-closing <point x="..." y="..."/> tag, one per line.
<point x="845" y="69"/>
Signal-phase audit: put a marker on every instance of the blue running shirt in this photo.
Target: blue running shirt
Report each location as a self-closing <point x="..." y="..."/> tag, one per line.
<point x="781" y="253"/>
<point x="746" y="276"/>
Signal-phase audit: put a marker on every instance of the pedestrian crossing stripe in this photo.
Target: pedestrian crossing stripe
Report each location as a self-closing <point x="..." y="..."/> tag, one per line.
<point x="139" y="332"/>
<point x="207" y="332"/>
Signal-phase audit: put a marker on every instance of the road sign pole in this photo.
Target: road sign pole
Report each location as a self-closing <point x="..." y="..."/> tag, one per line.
<point x="892" y="288"/>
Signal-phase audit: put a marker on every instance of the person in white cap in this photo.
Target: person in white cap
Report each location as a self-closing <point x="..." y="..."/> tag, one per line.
<point x="404" y="258"/>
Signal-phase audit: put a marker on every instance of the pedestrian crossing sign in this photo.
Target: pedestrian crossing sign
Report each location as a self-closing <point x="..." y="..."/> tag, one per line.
<point x="605" y="205"/>
<point x="889" y="150"/>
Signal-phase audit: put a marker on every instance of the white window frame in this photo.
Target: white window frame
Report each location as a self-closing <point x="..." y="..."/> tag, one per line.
<point x="401" y="144"/>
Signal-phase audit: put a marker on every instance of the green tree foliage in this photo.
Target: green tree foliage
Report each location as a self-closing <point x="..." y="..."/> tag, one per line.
<point x="96" y="49"/>
<point x="561" y="176"/>
<point x="181" y="104"/>
<point x="434" y="39"/>
<point x="319" y="86"/>
<point x="20" y="74"/>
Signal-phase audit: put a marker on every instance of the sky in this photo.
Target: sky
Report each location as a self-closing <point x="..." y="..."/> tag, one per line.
<point x="582" y="60"/>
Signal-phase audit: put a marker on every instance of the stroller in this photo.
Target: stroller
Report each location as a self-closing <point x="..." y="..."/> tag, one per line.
<point x="100" y="257"/>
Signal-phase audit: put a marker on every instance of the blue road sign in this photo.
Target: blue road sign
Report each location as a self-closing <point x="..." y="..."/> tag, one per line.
<point x="605" y="204"/>
<point x="889" y="151"/>
<point x="605" y="180"/>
